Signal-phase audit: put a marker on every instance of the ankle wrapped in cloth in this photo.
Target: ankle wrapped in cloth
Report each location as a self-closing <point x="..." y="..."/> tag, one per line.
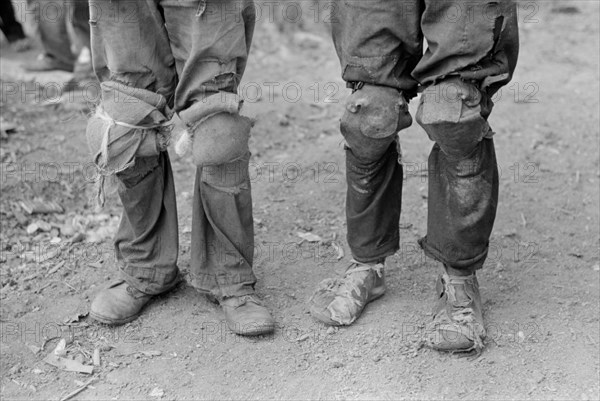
<point x="130" y="122"/>
<point x="216" y="133"/>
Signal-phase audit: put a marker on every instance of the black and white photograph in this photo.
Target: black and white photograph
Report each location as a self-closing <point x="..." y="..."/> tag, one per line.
<point x="300" y="200"/>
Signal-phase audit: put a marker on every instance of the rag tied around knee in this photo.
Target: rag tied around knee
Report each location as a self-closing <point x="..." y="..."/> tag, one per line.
<point x="129" y="122"/>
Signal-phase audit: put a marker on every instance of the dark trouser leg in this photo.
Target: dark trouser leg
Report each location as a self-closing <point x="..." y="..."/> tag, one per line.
<point x="472" y="51"/>
<point x="11" y="28"/>
<point x="223" y="230"/>
<point x="373" y="202"/>
<point x="463" y="195"/>
<point x="210" y="42"/>
<point x="147" y="240"/>
<point x="53" y="32"/>
<point x="463" y="176"/>
<point x="467" y="60"/>
<point x="378" y="43"/>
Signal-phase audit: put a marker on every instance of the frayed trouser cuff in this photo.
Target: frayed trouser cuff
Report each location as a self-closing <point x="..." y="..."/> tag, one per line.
<point x="224" y="286"/>
<point x="474" y="263"/>
<point x="149" y="281"/>
<point x="382" y="253"/>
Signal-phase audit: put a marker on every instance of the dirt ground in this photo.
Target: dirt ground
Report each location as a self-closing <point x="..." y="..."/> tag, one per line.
<point x="540" y="284"/>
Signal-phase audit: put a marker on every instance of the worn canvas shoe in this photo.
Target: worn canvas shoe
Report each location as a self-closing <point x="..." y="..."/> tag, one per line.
<point x="340" y="301"/>
<point x="22" y="45"/>
<point x="246" y="315"/>
<point x="45" y="62"/>
<point x="118" y="304"/>
<point x="457" y="324"/>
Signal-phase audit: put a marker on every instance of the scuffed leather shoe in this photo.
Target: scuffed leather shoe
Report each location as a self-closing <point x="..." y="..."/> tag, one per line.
<point x="339" y="302"/>
<point x="457" y="324"/>
<point x="118" y="304"/>
<point x="247" y="316"/>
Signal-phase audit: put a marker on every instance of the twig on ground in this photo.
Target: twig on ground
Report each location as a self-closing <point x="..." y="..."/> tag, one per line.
<point x="79" y="390"/>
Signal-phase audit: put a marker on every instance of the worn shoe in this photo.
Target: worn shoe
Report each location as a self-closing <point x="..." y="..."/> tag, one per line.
<point x="339" y="302"/>
<point x="45" y="62"/>
<point x="118" y="304"/>
<point x="247" y="316"/>
<point x="22" y="45"/>
<point x="457" y="324"/>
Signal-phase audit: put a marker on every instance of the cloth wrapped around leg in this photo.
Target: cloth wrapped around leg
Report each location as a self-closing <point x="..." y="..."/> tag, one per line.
<point x="130" y="122"/>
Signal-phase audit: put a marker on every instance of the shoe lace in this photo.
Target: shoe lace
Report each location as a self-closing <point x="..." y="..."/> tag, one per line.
<point x="461" y="312"/>
<point x="134" y="292"/>
<point x="244" y="299"/>
<point x="354" y="267"/>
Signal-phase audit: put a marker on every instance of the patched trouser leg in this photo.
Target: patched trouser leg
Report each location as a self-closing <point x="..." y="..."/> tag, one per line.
<point x="463" y="196"/>
<point x="373" y="117"/>
<point x="378" y="43"/>
<point x="372" y="227"/>
<point x="472" y="51"/>
<point x="222" y="230"/>
<point x="463" y="175"/>
<point x="130" y="48"/>
<point x="146" y="242"/>
<point x="210" y="41"/>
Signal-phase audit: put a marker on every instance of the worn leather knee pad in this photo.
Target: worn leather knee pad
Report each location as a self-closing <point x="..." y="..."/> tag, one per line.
<point x="454" y="115"/>
<point x="217" y="133"/>
<point x="373" y="117"/>
<point x="219" y="139"/>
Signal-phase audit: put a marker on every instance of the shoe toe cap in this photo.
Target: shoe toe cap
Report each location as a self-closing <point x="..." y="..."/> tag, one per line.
<point x="249" y="319"/>
<point x="450" y="338"/>
<point x="114" y="308"/>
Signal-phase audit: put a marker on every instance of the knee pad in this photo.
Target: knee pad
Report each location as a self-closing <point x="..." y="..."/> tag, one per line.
<point x="454" y="115"/>
<point x="221" y="138"/>
<point x="217" y="134"/>
<point x="373" y="117"/>
<point x="130" y="122"/>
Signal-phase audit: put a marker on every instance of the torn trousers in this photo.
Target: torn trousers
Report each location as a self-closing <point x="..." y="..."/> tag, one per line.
<point x="381" y="42"/>
<point x="184" y="50"/>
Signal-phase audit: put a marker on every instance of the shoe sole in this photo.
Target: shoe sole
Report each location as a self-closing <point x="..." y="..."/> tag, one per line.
<point x="114" y="322"/>
<point x="253" y="330"/>
<point x="450" y="340"/>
